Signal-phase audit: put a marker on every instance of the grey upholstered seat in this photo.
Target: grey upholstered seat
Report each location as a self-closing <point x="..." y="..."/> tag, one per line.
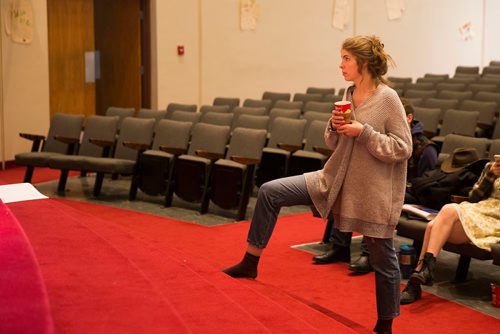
<point x="122" y="113"/>
<point x="186" y="116"/>
<point x="315" y="152"/>
<point x="62" y="138"/>
<point x="232" y="178"/>
<point x="276" y="96"/>
<point x="231" y="102"/>
<point x="325" y="107"/>
<point x="239" y="111"/>
<point x="320" y="90"/>
<point x="150" y="113"/>
<point x="435" y="75"/>
<point x="311" y="116"/>
<point x="455" y="95"/>
<point x="279" y="112"/>
<point x="251" y="121"/>
<point x="460" y="87"/>
<point x="155" y="166"/>
<point x="420" y="86"/>
<point x="486" y="111"/>
<point x="135" y="136"/>
<point x="496" y="131"/>
<point x="216" y="108"/>
<point x="429" y="118"/>
<point x="217" y="118"/>
<point x="97" y="129"/>
<point x="443" y="104"/>
<point x="459" y="122"/>
<point x="494" y="148"/>
<point x="453" y="141"/>
<point x="467" y="69"/>
<point x="253" y="103"/>
<point x="285" y="137"/>
<point x="420" y="93"/>
<point x="192" y="170"/>
<point x="305" y="97"/>
<point x="173" y="106"/>
<point x="281" y="104"/>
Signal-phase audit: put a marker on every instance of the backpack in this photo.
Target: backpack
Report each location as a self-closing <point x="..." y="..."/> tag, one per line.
<point x="434" y="188"/>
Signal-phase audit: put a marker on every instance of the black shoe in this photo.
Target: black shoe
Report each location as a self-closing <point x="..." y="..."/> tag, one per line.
<point x="411" y="293"/>
<point x="426" y="275"/>
<point x="361" y="265"/>
<point x="337" y="254"/>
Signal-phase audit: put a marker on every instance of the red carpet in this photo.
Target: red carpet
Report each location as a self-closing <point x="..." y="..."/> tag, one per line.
<point x="112" y="270"/>
<point x="24" y="304"/>
<point x="15" y="174"/>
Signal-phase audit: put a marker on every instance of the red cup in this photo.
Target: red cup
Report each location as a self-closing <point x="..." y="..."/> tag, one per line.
<point x="495" y="295"/>
<point x="345" y="108"/>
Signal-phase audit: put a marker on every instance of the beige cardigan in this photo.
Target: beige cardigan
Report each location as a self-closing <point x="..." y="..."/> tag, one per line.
<point x="363" y="182"/>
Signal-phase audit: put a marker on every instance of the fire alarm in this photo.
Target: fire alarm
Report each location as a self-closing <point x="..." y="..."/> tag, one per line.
<point x="180" y="50"/>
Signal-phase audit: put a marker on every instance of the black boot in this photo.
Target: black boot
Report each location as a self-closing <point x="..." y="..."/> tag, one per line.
<point x="411" y="293"/>
<point x="361" y="265"/>
<point x="426" y="275"/>
<point x="336" y="254"/>
<point x="247" y="268"/>
<point x="383" y="326"/>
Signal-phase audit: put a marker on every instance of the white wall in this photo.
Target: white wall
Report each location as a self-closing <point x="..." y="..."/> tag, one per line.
<point x="175" y="77"/>
<point x="293" y="47"/>
<point x="25" y="84"/>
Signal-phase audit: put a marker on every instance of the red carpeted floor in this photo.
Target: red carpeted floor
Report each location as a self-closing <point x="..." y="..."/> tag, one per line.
<point x="15" y="174"/>
<point x="112" y="270"/>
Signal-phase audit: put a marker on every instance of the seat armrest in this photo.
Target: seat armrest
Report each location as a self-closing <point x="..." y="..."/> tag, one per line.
<point x="172" y="150"/>
<point x="245" y="160"/>
<point x="289" y="148"/>
<point x="322" y="150"/>
<point x="209" y="155"/>
<point x="36" y="139"/>
<point x="458" y="198"/>
<point x="136" y="146"/>
<point x="67" y="140"/>
<point x="101" y="143"/>
<point x="31" y="137"/>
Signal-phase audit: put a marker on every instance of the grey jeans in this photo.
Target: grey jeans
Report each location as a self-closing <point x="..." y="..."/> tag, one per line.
<point x="289" y="191"/>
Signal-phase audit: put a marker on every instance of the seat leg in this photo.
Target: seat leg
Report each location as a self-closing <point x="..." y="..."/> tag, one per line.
<point x="29" y="173"/>
<point x="462" y="268"/>
<point x="132" y="195"/>
<point x="98" y="183"/>
<point x="61" y="186"/>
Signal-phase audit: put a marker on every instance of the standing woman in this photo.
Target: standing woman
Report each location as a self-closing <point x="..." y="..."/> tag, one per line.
<point x="362" y="184"/>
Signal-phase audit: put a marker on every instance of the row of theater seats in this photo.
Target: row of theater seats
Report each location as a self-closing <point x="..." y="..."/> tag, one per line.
<point x="198" y="162"/>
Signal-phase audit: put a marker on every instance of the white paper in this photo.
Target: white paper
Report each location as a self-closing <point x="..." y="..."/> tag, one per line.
<point x="395" y="9"/>
<point x="340" y="15"/>
<point x="19" y="21"/>
<point x="249" y="13"/>
<point x="18" y="192"/>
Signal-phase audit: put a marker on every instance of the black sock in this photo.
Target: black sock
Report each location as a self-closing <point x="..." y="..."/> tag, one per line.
<point x="247" y="268"/>
<point x="383" y="326"/>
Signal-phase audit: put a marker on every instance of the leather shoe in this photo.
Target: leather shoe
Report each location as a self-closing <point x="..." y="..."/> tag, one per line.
<point x="336" y="254"/>
<point x="361" y="265"/>
<point x="411" y="294"/>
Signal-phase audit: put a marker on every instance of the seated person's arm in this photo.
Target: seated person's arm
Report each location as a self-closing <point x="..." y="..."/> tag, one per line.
<point x="484" y="185"/>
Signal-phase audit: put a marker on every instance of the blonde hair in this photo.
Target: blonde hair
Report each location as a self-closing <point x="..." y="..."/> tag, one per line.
<point x="369" y="49"/>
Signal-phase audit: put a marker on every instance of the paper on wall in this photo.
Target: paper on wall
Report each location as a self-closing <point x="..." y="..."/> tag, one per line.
<point x="340" y="15"/>
<point x="249" y="13"/>
<point x="395" y="9"/>
<point x="19" y="21"/>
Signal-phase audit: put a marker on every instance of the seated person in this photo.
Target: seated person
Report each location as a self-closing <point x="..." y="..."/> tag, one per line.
<point x="476" y="221"/>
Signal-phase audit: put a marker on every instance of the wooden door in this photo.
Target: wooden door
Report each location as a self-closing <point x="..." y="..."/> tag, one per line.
<point x="70" y="35"/>
<point x="118" y="40"/>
